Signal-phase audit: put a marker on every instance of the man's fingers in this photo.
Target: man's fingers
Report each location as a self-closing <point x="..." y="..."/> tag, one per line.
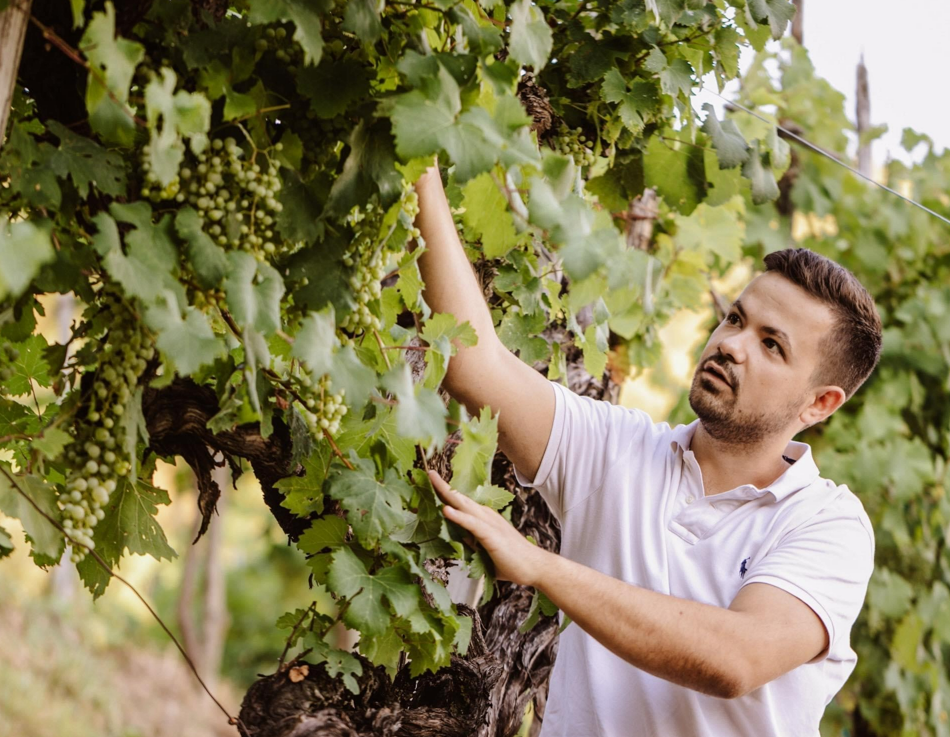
<point x="450" y="496"/>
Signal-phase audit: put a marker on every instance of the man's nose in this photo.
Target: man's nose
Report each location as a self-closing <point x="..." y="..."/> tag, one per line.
<point x="733" y="348"/>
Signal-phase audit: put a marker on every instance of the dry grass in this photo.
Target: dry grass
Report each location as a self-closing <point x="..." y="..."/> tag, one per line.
<point x="64" y="676"/>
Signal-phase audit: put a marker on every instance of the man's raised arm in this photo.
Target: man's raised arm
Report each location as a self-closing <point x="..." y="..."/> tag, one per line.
<point x="487" y="373"/>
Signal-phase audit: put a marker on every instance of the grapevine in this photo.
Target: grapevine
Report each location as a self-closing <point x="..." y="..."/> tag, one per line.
<point x="97" y="460"/>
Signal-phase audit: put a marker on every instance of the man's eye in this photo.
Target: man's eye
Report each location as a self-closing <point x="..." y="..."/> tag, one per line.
<point x="771" y="344"/>
<point x="732" y="318"/>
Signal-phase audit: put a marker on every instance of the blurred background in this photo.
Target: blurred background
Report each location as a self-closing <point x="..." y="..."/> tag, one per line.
<point x="71" y="667"/>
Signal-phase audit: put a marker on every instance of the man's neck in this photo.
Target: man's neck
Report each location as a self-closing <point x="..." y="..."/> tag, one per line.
<point x="727" y="465"/>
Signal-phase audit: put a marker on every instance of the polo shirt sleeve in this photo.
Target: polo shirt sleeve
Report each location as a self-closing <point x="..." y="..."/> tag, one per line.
<point x="587" y="438"/>
<point x="827" y="563"/>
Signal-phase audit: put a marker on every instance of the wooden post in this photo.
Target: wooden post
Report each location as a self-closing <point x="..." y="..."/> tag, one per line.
<point x="798" y="22"/>
<point x="863" y="114"/>
<point x="13" y="22"/>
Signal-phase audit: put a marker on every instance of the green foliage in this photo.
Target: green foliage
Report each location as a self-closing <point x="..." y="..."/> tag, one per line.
<point x="234" y="210"/>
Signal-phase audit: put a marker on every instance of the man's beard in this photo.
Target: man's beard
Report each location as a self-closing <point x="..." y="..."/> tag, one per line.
<point x="716" y="407"/>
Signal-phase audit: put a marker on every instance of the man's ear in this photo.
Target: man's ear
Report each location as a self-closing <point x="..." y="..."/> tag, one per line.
<point x="826" y="400"/>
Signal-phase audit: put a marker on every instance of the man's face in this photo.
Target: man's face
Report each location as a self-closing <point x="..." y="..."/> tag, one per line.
<point x="754" y="377"/>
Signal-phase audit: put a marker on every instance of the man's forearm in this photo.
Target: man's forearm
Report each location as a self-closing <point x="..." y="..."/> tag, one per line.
<point x="694" y="645"/>
<point x="450" y="284"/>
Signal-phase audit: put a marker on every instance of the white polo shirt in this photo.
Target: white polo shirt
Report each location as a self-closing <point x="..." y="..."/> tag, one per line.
<point x="629" y="496"/>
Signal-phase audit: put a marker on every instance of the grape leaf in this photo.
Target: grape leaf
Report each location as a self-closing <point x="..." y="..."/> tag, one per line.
<point x="420" y="414"/>
<point x="637" y="105"/>
<point x="112" y="61"/>
<point x="424" y="122"/>
<point x="731" y="147"/>
<point x="337" y="662"/>
<point x="254" y="289"/>
<point x="86" y="162"/>
<point x="410" y="283"/>
<point x="483" y="40"/>
<point x="373" y="508"/>
<point x="6" y="543"/>
<point x="28" y="168"/>
<point x="678" y="172"/>
<point x="129" y="526"/>
<point x="371" y="596"/>
<point x="758" y="172"/>
<point x="182" y="114"/>
<point x="334" y="85"/>
<point x="531" y="38"/>
<point x="188" y="343"/>
<point x="471" y="463"/>
<point x="303" y="495"/>
<point x="486" y="213"/>
<point x="47" y="541"/>
<point x="715" y="230"/>
<point x="368" y="170"/>
<point x="31" y="365"/>
<point x="327" y="532"/>
<point x="777" y="13"/>
<point x="677" y="78"/>
<point x="52" y="442"/>
<point x="492" y="496"/>
<point x="16" y="418"/>
<point x="383" y="649"/>
<point x="440" y="332"/>
<point x="352" y="375"/>
<point x="149" y="271"/>
<point x="519" y="333"/>
<point x="362" y="19"/>
<point x="24" y="247"/>
<point x="316" y="340"/>
<point x="209" y="260"/>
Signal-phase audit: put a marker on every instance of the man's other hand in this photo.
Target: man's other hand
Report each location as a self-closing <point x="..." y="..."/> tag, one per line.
<point x="515" y="559"/>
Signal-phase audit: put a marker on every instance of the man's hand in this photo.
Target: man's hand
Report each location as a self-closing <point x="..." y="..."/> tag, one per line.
<point x="515" y="559"/>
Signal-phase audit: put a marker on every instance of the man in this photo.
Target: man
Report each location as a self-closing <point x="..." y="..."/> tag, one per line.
<point x="713" y="577"/>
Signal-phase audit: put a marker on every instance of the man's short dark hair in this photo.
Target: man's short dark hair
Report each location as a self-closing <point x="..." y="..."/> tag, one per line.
<point x="852" y="348"/>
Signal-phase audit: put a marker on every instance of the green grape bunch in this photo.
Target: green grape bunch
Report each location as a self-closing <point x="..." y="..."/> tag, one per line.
<point x="371" y="252"/>
<point x="275" y="40"/>
<point x="574" y="143"/>
<point x="96" y="458"/>
<point x="236" y="197"/>
<point x="323" y="409"/>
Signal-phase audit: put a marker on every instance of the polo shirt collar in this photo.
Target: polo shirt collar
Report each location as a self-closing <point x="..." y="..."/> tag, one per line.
<point x="800" y="474"/>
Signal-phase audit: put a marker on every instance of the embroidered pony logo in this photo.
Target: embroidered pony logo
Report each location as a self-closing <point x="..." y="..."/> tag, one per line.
<point x="742" y="569"/>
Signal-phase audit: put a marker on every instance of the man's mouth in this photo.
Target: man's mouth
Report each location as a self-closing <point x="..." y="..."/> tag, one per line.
<point x="718" y="372"/>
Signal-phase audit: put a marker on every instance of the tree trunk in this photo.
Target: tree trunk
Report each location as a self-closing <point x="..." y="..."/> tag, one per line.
<point x="13" y="23"/>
